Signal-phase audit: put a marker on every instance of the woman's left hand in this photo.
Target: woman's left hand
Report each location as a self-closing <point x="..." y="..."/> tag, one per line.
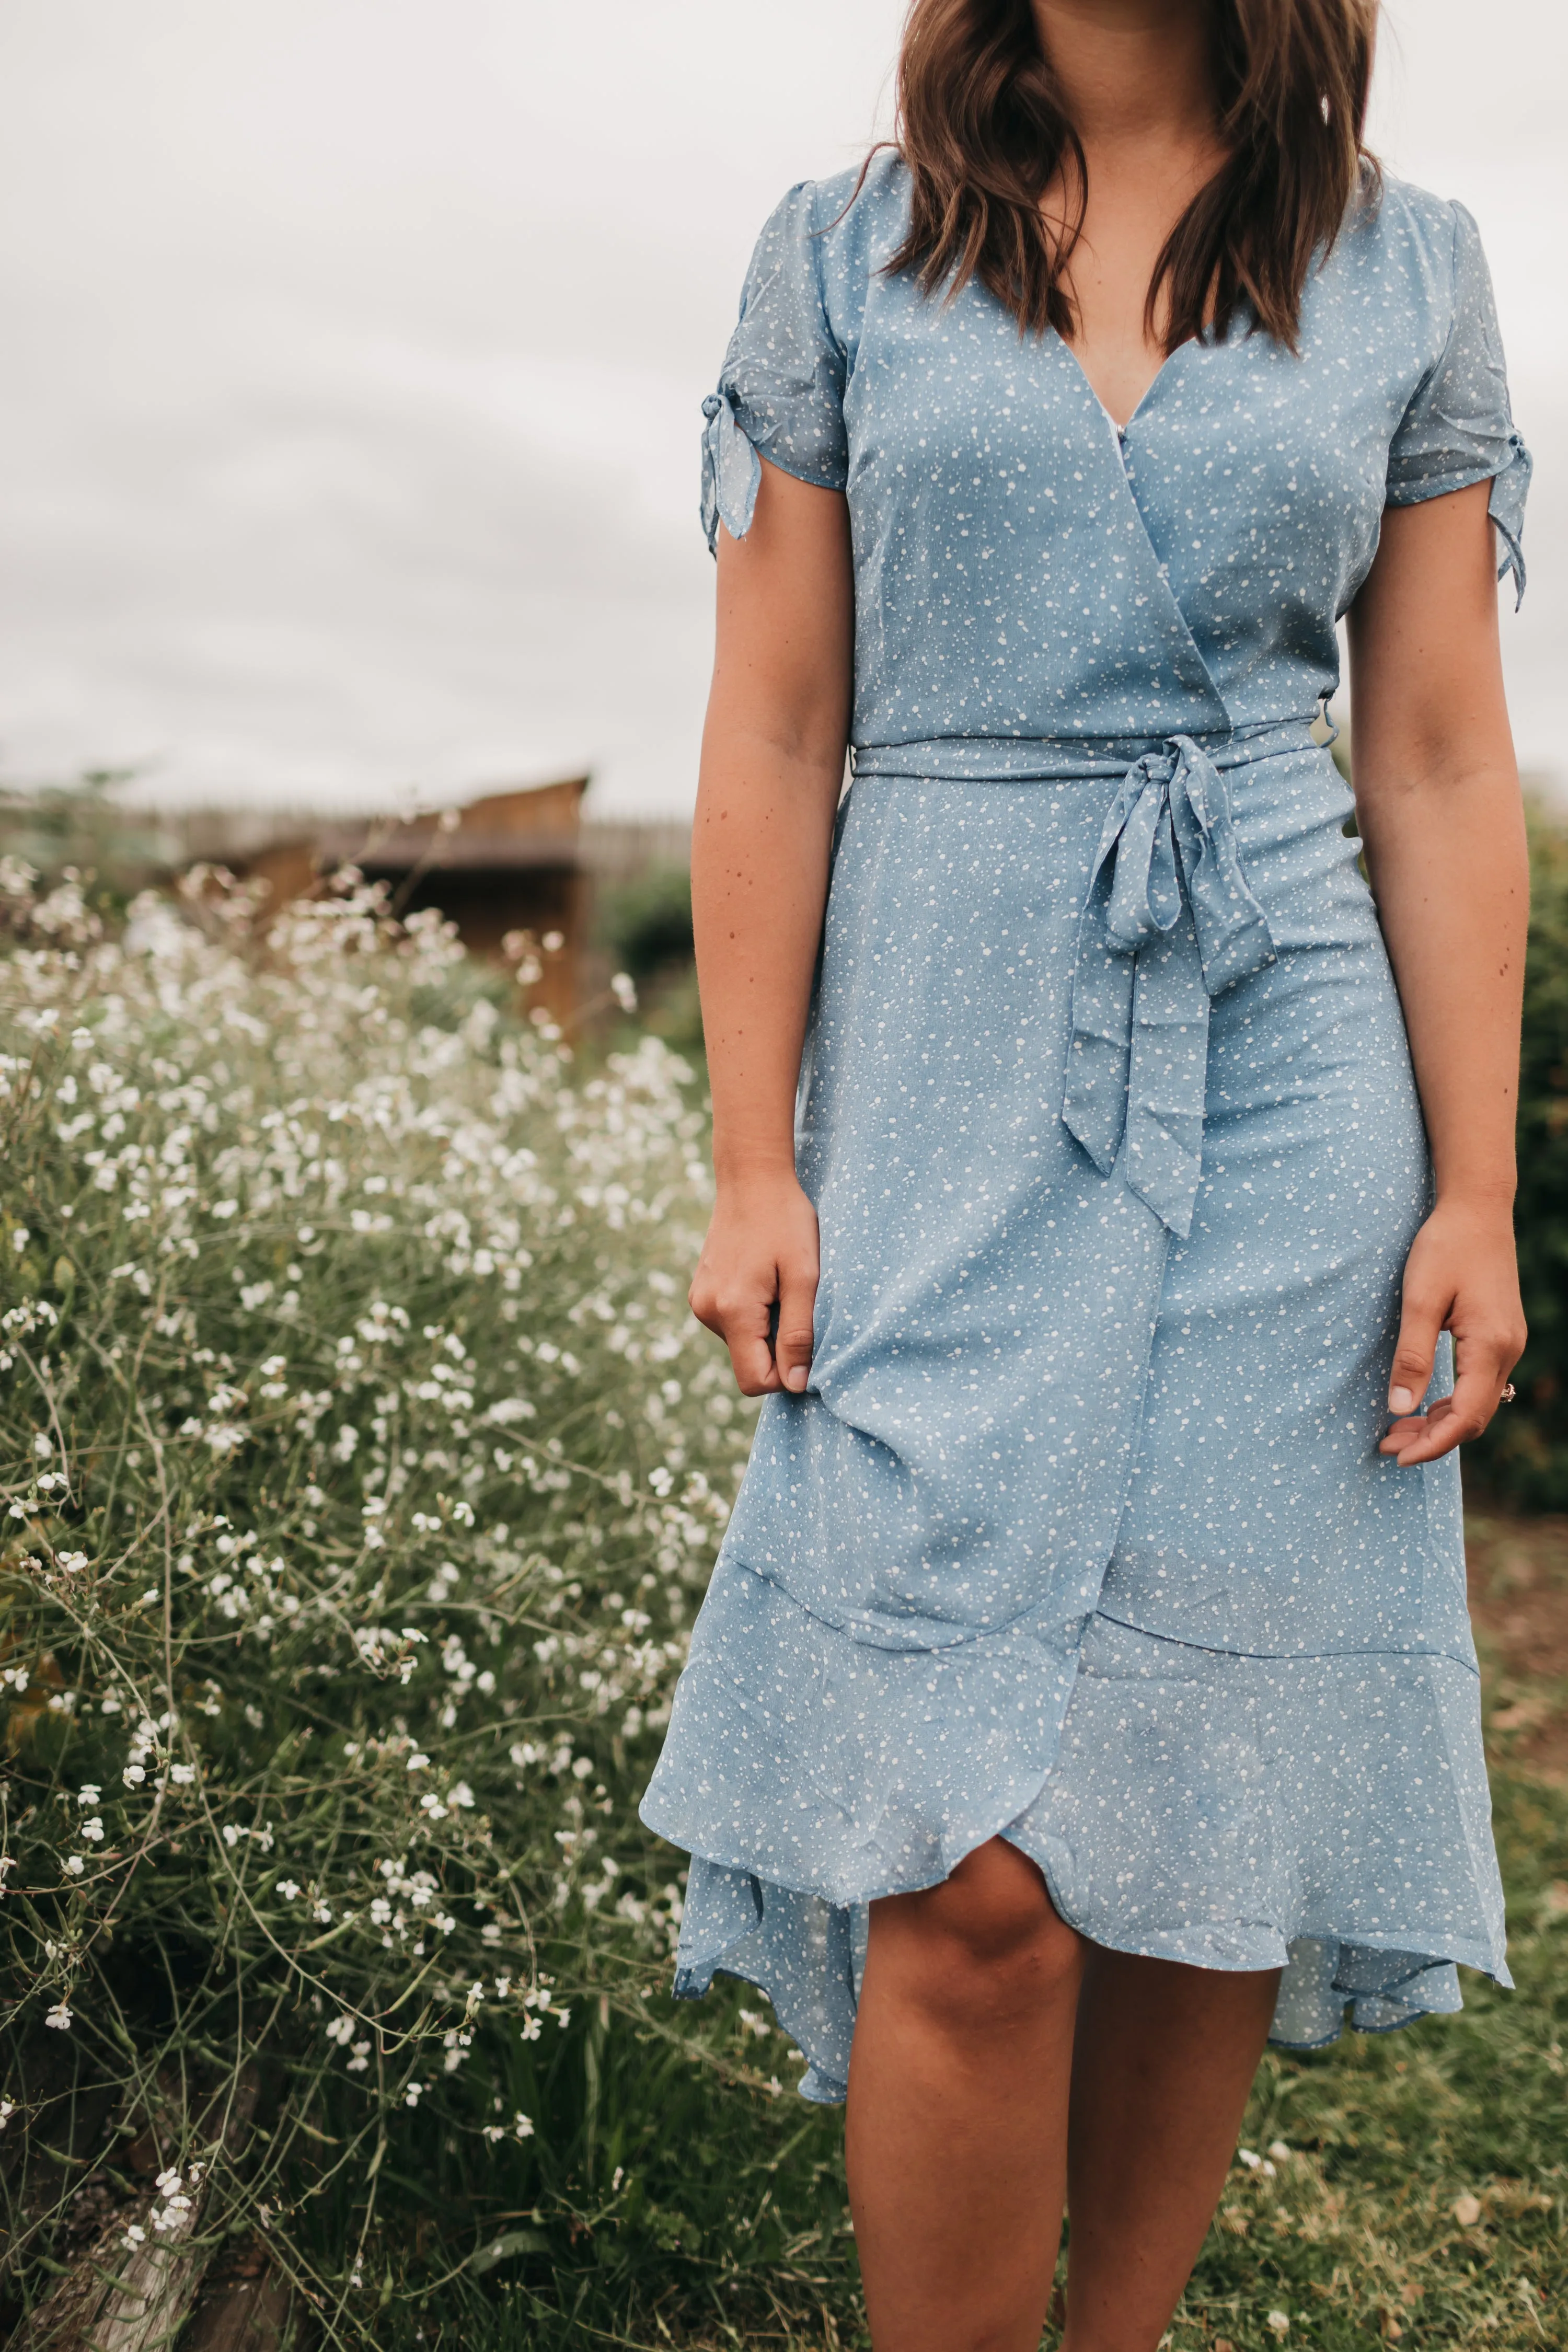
<point x="1461" y="1277"/>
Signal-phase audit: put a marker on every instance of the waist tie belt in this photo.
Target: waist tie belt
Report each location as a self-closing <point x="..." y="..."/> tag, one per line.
<point x="1167" y="923"/>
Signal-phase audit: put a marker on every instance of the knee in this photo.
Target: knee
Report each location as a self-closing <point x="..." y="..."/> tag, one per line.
<point x="987" y="1944"/>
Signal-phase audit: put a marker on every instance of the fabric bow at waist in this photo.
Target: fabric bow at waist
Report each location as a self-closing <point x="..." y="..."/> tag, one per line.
<point x="1168" y="922"/>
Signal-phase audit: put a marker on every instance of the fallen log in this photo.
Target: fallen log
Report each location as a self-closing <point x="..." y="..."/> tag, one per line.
<point x="250" y="2309"/>
<point x="134" y="2288"/>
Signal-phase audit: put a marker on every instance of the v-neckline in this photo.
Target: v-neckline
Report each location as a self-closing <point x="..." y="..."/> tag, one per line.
<point x="1145" y="396"/>
<point x="1119" y="479"/>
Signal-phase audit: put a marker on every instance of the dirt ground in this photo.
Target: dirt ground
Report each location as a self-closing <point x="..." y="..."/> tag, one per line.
<point x="1518" y="1605"/>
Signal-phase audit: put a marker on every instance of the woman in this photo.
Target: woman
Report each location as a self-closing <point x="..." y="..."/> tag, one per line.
<point x="1085" y="1690"/>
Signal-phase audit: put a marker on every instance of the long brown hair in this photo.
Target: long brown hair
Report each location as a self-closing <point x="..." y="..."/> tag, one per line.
<point x="983" y="129"/>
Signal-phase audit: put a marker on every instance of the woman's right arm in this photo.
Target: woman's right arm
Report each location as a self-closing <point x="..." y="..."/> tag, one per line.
<point x="772" y="764"/>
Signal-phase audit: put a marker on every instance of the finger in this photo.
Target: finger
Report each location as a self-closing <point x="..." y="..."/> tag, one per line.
<point x="704" y="1304"/>
<point x="751" y="1349"/>
<point x="793" y="1346"/>
<point x="1453" y="1420"/>
<point x="742" y="1323"/>
<point x="1403" y="1432"/>
<point x="1426" y="1438"/>
<point x="1421" y="1321"/>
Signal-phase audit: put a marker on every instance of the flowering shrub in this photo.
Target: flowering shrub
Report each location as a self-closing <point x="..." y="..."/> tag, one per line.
<point x="361" y="1465"/>
<point x="1523" y="1457"/>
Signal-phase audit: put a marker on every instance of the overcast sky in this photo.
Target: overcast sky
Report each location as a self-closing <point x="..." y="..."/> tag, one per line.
<point x="354" y="351"/>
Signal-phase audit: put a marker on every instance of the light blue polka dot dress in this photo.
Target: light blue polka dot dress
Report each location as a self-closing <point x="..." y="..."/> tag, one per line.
<point x="1080" y="1535"/>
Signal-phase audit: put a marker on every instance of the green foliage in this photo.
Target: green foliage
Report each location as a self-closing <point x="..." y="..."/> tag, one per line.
<point x="646" y="926"/>
<point x="79" y="833"/>
<point x="647" y="923"/>
<point x="1524" y="1456"/>
<point x="361" y="1467"/>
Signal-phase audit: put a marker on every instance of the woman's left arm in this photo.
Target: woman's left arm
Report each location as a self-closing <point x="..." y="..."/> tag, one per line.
<point x="1438" y="799"/>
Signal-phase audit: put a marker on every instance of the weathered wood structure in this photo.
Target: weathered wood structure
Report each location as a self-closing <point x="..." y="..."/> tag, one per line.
<point x="509" y="862"/>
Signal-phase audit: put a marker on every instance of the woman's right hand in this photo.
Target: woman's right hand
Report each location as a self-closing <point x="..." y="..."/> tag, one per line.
<point x="761" y="1251"/>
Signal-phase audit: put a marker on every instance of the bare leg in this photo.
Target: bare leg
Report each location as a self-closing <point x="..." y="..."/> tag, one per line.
<point x="1163" y="2063"/>
<point x="956" y="2132"/>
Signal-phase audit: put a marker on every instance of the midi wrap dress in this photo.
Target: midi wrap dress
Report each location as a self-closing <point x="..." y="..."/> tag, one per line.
<point x="1079" y="1535"/>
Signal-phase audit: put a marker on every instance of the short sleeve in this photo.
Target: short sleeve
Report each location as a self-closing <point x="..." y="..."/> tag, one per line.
<point x="780" y="389"/>
<point x="1459" y="427"/>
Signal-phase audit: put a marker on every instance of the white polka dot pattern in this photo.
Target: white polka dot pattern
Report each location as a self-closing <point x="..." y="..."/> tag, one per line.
<point x="1080" y="1535"/>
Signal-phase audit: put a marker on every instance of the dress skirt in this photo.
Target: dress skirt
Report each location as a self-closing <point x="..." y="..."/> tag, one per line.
<point x="1080" y="1536"/>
